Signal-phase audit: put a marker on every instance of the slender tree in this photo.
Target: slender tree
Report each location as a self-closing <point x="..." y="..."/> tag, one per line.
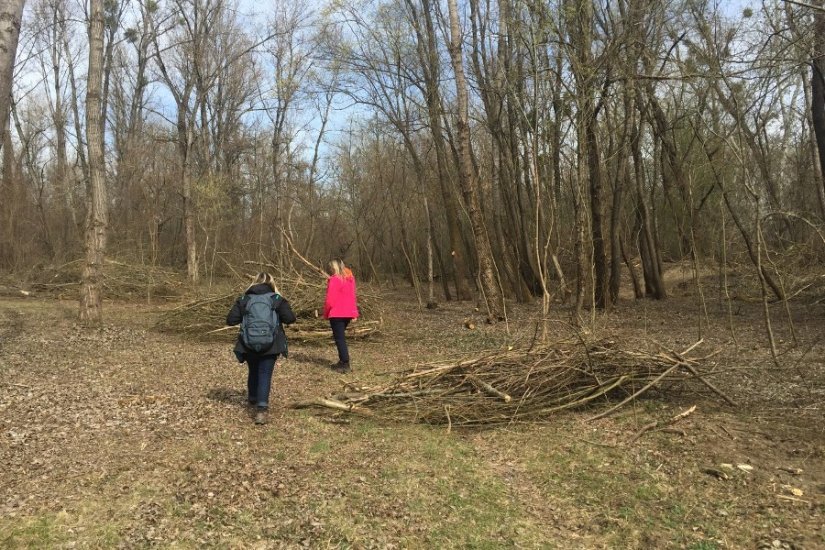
<point x="11" y="15"/>
<point x="469" y="180"/>
<point x="818" y="87"/>
<point x="96" y="201"/>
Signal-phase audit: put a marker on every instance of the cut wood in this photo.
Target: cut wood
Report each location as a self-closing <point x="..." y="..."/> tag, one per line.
<point x="527" y="385"/>
<point x="489" y="389"/>
<point x="656" y="423"/>
<point x="330" y="404"/>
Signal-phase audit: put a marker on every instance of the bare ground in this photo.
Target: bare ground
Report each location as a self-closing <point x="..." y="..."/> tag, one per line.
<point x="126" y="437"/>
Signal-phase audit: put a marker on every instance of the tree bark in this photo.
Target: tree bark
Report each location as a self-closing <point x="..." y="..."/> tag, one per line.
<point x="428" y="55"/>
<point x="654" y="282"/>
<point x="467" y="177"/>
<point x="96" y="217"/>
<point x="818" y="90"/>
<point x="11" y="15"/>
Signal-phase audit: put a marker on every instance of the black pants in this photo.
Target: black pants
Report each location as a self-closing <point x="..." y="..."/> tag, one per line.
<point x="259" y="380"/>
<point x="339" y="327"/>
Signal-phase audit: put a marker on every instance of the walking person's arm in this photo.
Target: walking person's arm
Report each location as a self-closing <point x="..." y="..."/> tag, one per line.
<point x="235" y="314"/>
<point x="285" y="313"/>
<point x="332" y="286"/>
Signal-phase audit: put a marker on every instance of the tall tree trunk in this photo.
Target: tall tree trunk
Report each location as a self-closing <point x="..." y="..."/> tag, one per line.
<point x="75" y="103"/>
<point x="813" y="148"/>
<point x="649" y="251"/>
<point x="596" y="183"/>
<point x="185" y="151"/>
<point x="8" y="188"/>
<point x="96" y="217"/>
<point x="583" y="68"/>
<point x="620" y="181"/>
<point x="467" y="177"/>
<point x="428" y="55"/>
<point x="68" y="217"/>
<point x="11" y="14"/>
<point x="818" y="89"/>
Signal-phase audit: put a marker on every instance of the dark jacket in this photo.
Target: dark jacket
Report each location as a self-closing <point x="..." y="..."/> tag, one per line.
<point x="285" y="317"/>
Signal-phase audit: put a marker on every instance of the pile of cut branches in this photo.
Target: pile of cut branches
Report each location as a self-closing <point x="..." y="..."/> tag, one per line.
<point x="120" y="280"/>
<point x="205" y="318"/>
<point x="519" y="385"/>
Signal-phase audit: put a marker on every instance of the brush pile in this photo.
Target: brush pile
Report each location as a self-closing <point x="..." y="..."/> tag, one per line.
<point x="205" y="318"/>
<point x="120" y="281"/>
<point x="518" y="385"/>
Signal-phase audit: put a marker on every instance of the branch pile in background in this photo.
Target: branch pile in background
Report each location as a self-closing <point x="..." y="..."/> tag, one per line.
<point x="205" y="318"/>
<point x="519" y="385"/>
<point x="120" y="281"/>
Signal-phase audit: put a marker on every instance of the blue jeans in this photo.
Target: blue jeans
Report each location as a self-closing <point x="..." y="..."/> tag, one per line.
<point x="339" y="327"/>
<point x="259" y="381"/>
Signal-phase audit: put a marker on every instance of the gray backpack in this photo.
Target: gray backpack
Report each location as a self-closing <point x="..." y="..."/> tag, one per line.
<point x="260" y="321"/>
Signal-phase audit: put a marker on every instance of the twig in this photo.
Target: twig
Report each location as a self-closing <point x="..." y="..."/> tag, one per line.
<point x="713" y="388"/>
<point x="301" y="257"/>
<point x="805" y="5"/>
<point x="793" y="499"/>
<point x="647" y="427"/>
<point x="220" y="329"/>
<point x="634" y="396"/>
<point x="687" y="366"/>
<point x="489" y="389"/>
<point x="330" y="404"/>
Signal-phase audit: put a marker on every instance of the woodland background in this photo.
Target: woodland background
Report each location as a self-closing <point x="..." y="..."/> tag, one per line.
<point x="512" y="149"/>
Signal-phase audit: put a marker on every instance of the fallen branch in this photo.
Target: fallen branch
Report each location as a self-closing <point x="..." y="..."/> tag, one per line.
<point x="221" y="329"/>
<point x="330" y="404"/>
<point x="489" y="389"/>
<point x="648" y="427"/>
<point x="713" y="388"/>
<point x="633" y="396"/>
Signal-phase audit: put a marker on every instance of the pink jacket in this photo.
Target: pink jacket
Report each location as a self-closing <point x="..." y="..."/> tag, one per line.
<point x="340" y="300"/>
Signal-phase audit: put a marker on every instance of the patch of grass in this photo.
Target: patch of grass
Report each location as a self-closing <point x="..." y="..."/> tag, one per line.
<point x="618" y="496"/>
<point x="201" y="454"/>
<point x="89" y="525"/>
<point x="442" y="483"/>
<point x="37" y="532"/>
<point x="319" y="447"/>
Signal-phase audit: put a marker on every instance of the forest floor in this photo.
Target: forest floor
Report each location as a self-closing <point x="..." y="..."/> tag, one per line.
<point x="125" y="437"/>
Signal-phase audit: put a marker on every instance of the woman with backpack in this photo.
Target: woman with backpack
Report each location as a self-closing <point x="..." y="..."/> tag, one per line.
<point x="262" y="313"/>
<point x="340" y="308"/>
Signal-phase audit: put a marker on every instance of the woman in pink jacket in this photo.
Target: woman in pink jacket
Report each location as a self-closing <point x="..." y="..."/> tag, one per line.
<point x="340" y="308"/>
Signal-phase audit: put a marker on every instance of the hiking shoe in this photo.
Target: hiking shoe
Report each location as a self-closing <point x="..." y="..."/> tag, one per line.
<point x="260" y="417"/>
<point x="341" y="367"/>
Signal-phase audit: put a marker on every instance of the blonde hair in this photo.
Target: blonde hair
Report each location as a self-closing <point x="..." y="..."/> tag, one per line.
<point x="337" y="267"/>
<point x="265" y="279"/>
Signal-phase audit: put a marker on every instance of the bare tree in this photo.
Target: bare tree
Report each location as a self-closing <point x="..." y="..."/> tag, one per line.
<point x="469" y="180"/>
<point x="97" y="208"/>
<point x="11" y="14"/>
<point x="818" y="88"/>
<point x="427" y="48"/>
